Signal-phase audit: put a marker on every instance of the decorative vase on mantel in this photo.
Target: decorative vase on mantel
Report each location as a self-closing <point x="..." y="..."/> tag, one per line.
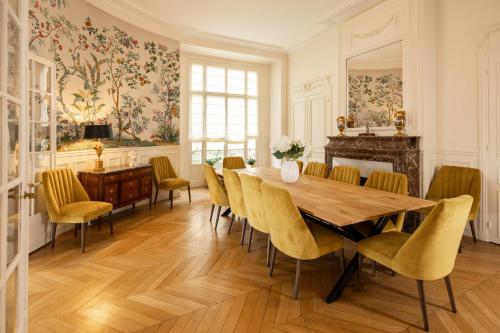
<point x="289" y="171"/>
<point x="289" y="151"/>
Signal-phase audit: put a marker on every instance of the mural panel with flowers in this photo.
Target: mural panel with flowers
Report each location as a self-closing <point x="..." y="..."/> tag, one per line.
<point x="108" y="71"/>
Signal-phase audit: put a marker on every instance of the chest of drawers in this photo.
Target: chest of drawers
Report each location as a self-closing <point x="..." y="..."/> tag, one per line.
<point x="120" y="186"/>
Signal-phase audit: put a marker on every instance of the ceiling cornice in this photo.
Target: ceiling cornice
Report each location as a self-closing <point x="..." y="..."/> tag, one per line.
<point x="347" y="9"/>
<point x="128" y="12"/>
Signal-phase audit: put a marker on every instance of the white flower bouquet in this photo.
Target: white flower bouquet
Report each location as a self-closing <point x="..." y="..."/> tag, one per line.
<point x="288" y="149"/>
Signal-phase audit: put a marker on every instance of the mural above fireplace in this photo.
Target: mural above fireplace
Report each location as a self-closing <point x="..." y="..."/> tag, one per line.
<point x="375" y="87"/>
<point x="107" y="71"/>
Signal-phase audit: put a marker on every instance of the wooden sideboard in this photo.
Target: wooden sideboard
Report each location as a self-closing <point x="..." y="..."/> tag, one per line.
<point x="120" y="186"/>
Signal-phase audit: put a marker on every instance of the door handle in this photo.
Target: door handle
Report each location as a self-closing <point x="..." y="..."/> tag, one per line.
<point x="29" y="195"/>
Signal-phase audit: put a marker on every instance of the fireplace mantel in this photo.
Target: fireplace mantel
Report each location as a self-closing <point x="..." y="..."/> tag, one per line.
<point x="402" y="151"/>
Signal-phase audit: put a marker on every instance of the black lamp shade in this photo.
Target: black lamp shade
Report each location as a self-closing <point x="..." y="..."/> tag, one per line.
<point x="98" y="132"/>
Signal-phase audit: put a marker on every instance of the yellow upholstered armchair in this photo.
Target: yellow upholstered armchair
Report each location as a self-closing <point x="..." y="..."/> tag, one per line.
<point x="165" y="178"/>
<point x="292" y="235"/>
<point x="429" y="253"/>
<point x="316" y="169"/>
<point x="235" y="196"/>
<point x="235" y="162"/>
<point x="218" y="194"/>
<point x="345" y="174"/>
<point x="390" y="182"/>
<point x="453" y="181"/>
<point x="301" y="165"/>
<point x="252" y="196"/>
<point x="67" y="202"/>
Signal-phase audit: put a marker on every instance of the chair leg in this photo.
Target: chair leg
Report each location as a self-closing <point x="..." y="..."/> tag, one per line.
<point x="460" y="248"/>
<point x="171" y="199"/>
<point x="360" y="270"/>
<point x="268" y="259"/>
<point x="341" y="260"/>
<point x="473" y="230"/>
<point x="110" y="219"/>
<point x="297" y="279"/>
<point x="450" y="294"/>
<point x="156" y="195"/>
<point x="75" y="231"/>
<point x="273" y="259"/>
<point x="231" y="225"/>
<point x="374" y="268"/>
<point x="217" y="219"/>
<point x="250" y="238"/>
<point x="54" y="228"/>
<point x="243" y="230"/>
<point x="423" y="308"/>
<point x="83" y="232"/>
<point x="189" y="193"/>
<point x="212" y="213"/>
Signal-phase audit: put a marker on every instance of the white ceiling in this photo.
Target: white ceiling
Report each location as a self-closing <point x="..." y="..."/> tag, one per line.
<point x="281" y="23"/>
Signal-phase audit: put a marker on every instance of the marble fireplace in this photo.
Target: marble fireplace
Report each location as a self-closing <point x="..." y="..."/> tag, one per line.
<point x="402" y="153"/>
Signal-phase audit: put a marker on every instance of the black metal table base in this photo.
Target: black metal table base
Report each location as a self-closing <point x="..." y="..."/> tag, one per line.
<point x="352" y="267"/>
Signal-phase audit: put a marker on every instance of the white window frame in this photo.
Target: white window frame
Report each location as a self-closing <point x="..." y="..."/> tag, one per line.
<point x="204" y="94"/>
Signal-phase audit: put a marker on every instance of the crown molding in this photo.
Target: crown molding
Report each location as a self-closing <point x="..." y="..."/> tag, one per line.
<point x="347" y="9"/>
<point x="130" y="13"/>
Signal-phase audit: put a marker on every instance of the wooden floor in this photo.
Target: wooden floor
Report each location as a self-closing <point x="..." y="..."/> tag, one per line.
<point x="168" y="271"/>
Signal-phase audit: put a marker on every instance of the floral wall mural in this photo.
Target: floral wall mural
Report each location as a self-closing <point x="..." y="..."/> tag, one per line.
<point x="107" y="71"/>
<point x="374" y="97"/>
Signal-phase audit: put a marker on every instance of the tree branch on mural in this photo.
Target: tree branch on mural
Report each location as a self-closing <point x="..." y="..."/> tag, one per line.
<point x="388" y="93"/>
<point x="166" y="64"/>
<point x="132" y="114"/>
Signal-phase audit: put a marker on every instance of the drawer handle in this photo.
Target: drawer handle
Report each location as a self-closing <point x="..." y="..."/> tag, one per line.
<point x="111" y="191"/>
<point x="130" y="195"/>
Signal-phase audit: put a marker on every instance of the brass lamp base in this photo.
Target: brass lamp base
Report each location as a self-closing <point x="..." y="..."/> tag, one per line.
<point x="99" y="166"/>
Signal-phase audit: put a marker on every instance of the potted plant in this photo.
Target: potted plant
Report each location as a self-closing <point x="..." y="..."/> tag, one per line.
<point x="289" y="151"/>
<point x="251" y="161"/>
<point x="212" y="161"/>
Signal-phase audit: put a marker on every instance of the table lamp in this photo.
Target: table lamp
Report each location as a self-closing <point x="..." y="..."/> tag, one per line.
<point x="98" y="132"/>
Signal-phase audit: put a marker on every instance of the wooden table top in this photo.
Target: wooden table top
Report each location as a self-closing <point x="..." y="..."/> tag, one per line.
<point x="339" y="203"/>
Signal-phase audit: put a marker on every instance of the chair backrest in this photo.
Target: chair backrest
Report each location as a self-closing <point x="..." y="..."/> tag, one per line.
<point x="453" y="181"/>
<point x="218" y="195"/>
<point x="301" y="165"/>
<point x="234" y="162"/>
<point x="316" y="169"/>
<point x="289" y="232"/>
<point x="234" y="193"/>
<point x="345" y="174"/>
<point x="61" y="187"/>
<point x="162" y="169"/>
<point x="390" y="182"/>
<point x="252" y="196"/>
<point x="430" y="252"/>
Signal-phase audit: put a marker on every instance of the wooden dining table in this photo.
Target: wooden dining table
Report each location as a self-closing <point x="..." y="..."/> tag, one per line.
<point x="339" y="206"/>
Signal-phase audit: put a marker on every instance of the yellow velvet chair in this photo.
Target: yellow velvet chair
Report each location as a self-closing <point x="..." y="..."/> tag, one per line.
<point x="390" y="182"/>
<point x="301" y="165"/>
<point x="316" y="169"/>
<point x="235" y="196"/>
<point x="293" y="236"/>
<point x="252" y="196"/>
<point x="165" y="178"/>
<point x="429" y="253"/>
<point x="234" y="162"/>
<point x="67" y="202"/>
<point x="218" y="194"/>
<point x="453" y="181"/>
<point x="345" y="174"/>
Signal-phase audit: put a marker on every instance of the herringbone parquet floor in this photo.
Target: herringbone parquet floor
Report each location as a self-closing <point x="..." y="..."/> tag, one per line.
<point x="168" y="271"/>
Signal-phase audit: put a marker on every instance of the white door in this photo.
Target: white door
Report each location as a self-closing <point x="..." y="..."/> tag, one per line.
<point x="42" y="144"/>
<point x="317" y="126"/>
<point x="493" y="167"/>
<point x="13" y="158"/>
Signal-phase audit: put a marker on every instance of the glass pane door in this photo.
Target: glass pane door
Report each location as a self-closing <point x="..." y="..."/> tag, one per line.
<point x="42" y="145"/>
<point x="13" y="156"/>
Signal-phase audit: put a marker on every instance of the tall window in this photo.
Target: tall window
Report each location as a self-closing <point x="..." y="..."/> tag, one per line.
<point x="223" y="112"/>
